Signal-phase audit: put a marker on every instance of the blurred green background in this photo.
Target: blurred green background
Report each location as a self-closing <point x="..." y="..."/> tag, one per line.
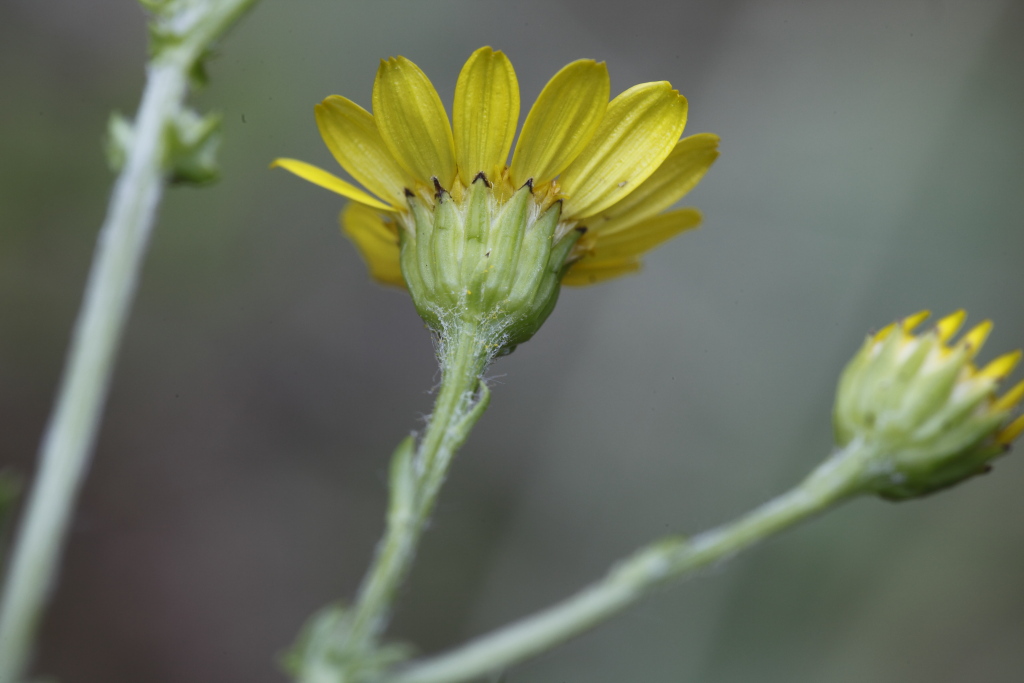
<point x="873" y="165"/>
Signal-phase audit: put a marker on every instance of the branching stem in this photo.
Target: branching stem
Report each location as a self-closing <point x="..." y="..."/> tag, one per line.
<point x="832" y="482"/>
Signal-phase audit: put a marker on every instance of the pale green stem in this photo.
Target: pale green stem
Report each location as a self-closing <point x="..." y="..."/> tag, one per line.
<point x="835" y="480"/>
<point x="461" y="400"/>
<point x="71" y="431"/>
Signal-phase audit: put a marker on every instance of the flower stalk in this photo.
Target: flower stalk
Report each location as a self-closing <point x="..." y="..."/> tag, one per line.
<point x="342" y="645"/>
<point x="416" y="479"/>
<point x="156" y="151"/>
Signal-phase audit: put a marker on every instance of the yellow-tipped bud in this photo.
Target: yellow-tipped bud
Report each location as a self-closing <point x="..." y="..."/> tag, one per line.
<point x="918" y="402"/>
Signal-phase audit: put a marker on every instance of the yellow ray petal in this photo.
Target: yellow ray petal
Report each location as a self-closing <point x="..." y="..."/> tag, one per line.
<point x="884" y="332"/>
<point x="561" y="122"/>
<point x="1011" y="431"/>
<point x="412" y="121"/>
<point x="588" y="271"/>
<point x="975" y="339"/>
<point x="682" y="169"/>
<point x="645" y="235"/>
<point x="1002" y="366"/>
<point x="320" y="177"/>
<point x="640" y="129"/>
<point x="352" y="136"/>
<point x="1011" y="398"/>
<point x="376" y="240"/>
<point x="949" y="325"/>
<point x="484" y="114"/>
<point x="912" y="321"/>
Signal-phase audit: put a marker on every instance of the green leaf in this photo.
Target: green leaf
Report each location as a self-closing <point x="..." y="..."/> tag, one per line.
<point x="120" y="133"/>
<point x="403" y="480"/>
<point x="192" y="145"/>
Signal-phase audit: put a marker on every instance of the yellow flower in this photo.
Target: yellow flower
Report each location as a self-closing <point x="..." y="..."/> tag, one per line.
<point x="920" y="404"/>
<point x="614" y="166"/>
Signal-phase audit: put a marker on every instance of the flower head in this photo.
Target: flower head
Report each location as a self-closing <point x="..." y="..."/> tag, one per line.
<point x="471" y="234"/>
<point x="918" y="401"/>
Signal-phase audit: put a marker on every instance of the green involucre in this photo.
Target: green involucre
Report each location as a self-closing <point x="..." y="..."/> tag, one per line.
<point x="495" y="265"/>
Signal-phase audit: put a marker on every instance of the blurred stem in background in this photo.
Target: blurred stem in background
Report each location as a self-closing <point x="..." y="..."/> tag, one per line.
<point x="167" y="143"/>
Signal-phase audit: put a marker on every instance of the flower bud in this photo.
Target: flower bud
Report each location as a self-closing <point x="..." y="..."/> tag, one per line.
<point x="917" y="402"/>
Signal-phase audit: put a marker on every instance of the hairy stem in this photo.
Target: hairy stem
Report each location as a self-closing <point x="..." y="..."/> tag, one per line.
<point x="833" y="481"/>
<point x="117" y="262"/>
<point x="462" y="398"/>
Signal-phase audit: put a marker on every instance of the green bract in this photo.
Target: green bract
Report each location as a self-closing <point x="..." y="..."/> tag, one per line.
<point x="494" y="265"/>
